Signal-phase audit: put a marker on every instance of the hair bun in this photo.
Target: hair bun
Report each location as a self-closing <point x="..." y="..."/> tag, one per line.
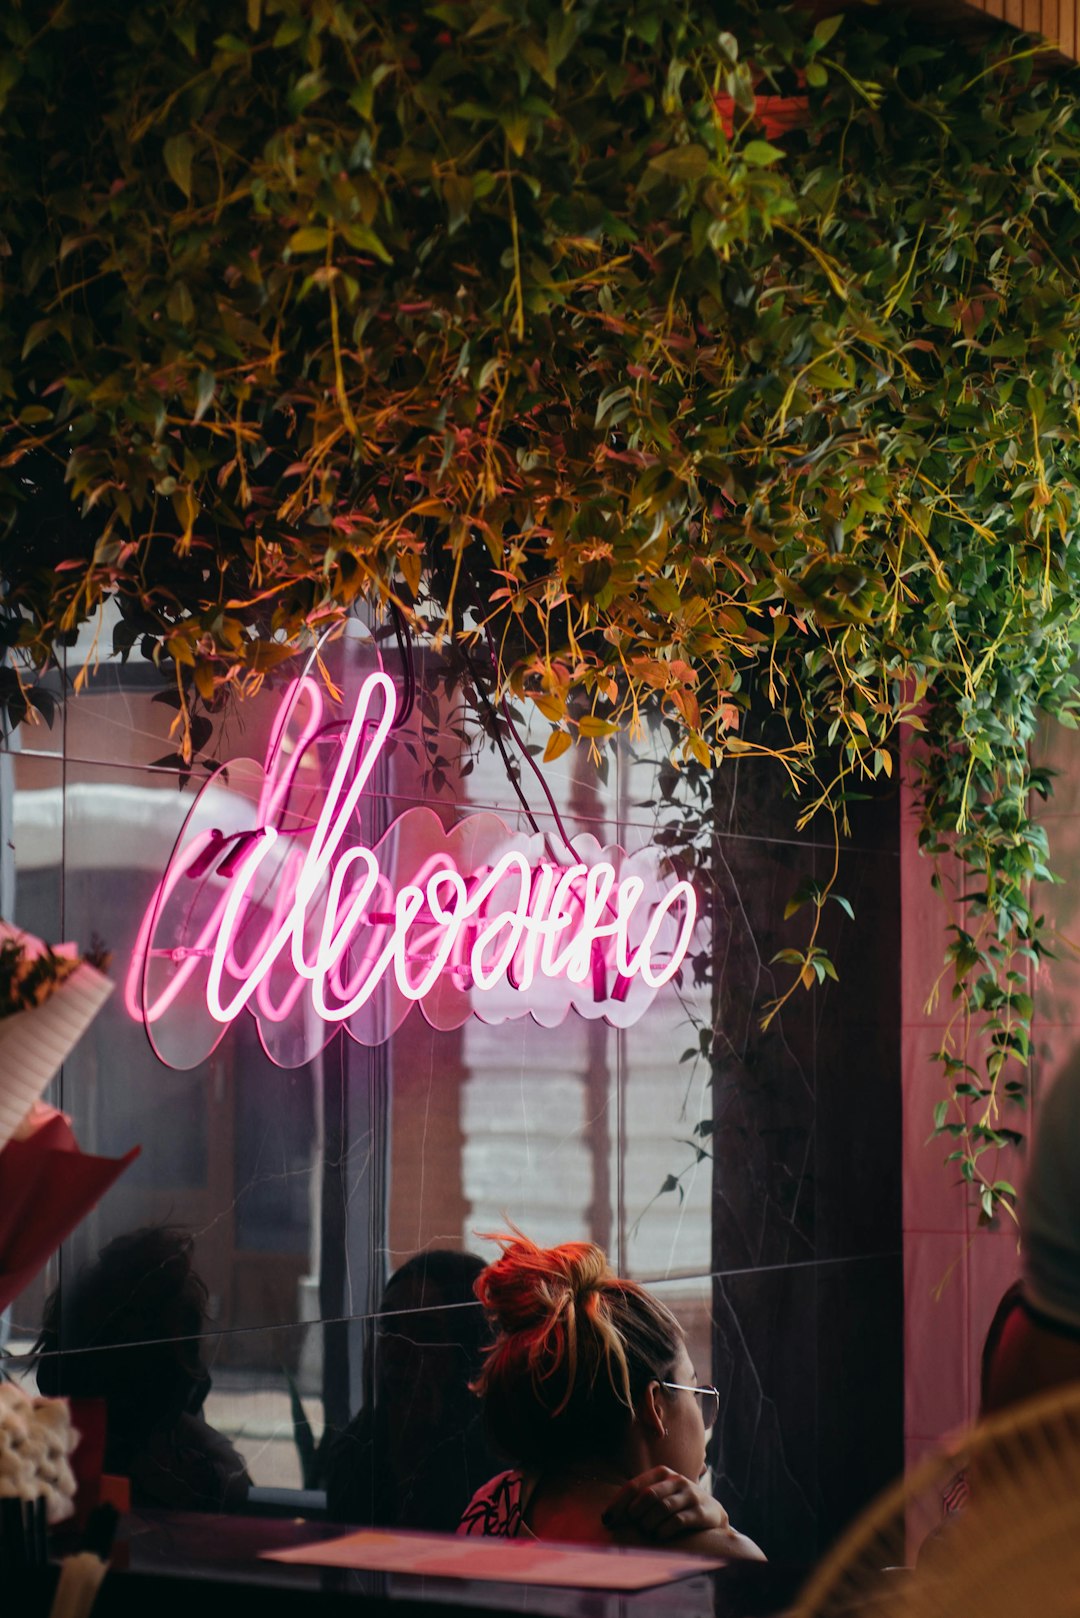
<point x="530" y="1286"/>
<point x="575" y="1347"/>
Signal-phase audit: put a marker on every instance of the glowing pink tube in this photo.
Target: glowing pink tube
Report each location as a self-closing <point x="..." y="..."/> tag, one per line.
<point x="334" y="920"/>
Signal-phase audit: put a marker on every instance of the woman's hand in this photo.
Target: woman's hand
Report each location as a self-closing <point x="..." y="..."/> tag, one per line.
<point x="663" y="1505"/>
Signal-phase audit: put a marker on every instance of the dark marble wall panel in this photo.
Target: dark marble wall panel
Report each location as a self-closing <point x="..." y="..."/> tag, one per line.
<point x="808" y="1294"/>
<point x="857" y="1054"/>
<point x="767" y="1441"/>
<point x="763" y="1100"/>
<point x="860" y="1310"/>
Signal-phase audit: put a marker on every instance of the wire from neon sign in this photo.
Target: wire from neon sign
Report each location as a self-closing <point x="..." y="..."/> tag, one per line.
<point x="294" y="917"/>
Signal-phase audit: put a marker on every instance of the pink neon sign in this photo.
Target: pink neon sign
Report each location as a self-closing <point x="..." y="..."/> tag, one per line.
<point x="290" y="913"/>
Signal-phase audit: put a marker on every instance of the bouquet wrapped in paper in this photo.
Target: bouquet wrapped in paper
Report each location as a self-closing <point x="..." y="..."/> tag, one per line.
<point x="48" y="999"/>
<point x="47" y="1187"/>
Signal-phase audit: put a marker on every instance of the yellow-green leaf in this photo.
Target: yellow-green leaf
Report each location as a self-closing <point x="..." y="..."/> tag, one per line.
<point x="664" y="595"/>
<point x="557" y="744"/>
<point x="186" y="508"/>
<point x="516" y="126"/>
<point x="204" y="681"/>
<point x="684" y="162"/>
<point x="309" y="239"/>
<point x="179" y="154"/>
<point x="364" y="240"/>
<point x="410" y="564"/>
<point x="552" y="707"/>
<point x="179" y="305"/>
<point x="37" y="334"/>
<point x="268" y="654"/>
<point x="179" y="649"/>
<point x="825" y="30"/>
<point x="205" y="383"/>
<point x="761" y="153"/>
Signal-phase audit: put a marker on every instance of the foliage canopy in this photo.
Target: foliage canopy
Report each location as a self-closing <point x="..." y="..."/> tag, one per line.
<point x="524" y="316"/>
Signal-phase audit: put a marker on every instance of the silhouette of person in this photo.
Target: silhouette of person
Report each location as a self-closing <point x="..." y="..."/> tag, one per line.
<point x="128" y="1331"/>
<point x="1038" y="1347"/>
<point x="415" y="1451"/>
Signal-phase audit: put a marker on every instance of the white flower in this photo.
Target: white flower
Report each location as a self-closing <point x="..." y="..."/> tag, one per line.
<point x="36" y="1439"/>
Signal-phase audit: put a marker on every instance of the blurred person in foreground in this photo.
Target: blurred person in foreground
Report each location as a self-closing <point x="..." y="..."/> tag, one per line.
<point x="128" y="1331"/>
<point x="589" y="1389"/>
<point x="416" y="1449"/>
<point x="1038" y="1346"/>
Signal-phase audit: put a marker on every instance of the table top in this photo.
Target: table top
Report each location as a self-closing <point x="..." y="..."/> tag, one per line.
<point x="227" y="1551"/>
<point x="174" y="1564"/>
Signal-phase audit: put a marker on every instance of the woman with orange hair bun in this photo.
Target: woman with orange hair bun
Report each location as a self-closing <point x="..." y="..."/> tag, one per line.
<point x="590" y="1390"/>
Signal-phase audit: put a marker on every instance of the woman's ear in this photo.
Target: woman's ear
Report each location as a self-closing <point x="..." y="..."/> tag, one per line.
<point x="652" y="1413"/>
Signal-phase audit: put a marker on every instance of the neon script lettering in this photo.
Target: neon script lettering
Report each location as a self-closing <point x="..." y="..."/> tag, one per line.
<point x="292" y="914"/>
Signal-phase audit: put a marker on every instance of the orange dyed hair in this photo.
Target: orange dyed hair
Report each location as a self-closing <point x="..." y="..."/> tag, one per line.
<point x="576" y="1346"/>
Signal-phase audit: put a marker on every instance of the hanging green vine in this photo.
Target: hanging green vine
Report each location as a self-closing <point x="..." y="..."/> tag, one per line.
<point x="689" y="348"/>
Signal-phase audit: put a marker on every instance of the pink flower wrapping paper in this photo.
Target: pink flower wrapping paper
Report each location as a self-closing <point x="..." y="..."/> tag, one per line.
<point x="35" y="1041"/>
<point x="47" y="1186"/>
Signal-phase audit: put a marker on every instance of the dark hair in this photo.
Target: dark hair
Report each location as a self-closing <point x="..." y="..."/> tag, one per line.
<point x="429" y="1329"/>
<point x="576" y="1347"/>
<point x="440" y="1276"/>
<point x="141" y="1291"/>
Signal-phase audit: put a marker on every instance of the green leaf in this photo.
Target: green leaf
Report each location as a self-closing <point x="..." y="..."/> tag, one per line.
<point x="664" y="596"/>
<point x="826" y="29"/>
<point x="761" y="153"/>
<point x="179" y="305"/>
<point x="184" y="30"/>
<point x="682" y="162"/>
<point x="37" y="334"/>
<point x="808" y="891"/>
<point x="309" y="239"/>
<point x="205" y="383"/>
<point x="179" y="153"/>
<point x="365" y="240"/>
<point x="592" y="725"/>
<point x="516" y="126"/>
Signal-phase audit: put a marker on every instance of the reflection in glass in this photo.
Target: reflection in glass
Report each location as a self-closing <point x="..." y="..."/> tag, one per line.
<point x="416" y="1450"/>
<point x="127" y="1332"/>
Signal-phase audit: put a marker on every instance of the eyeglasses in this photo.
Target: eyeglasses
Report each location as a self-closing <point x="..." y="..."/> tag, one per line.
<point x="710" y="1401"/>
